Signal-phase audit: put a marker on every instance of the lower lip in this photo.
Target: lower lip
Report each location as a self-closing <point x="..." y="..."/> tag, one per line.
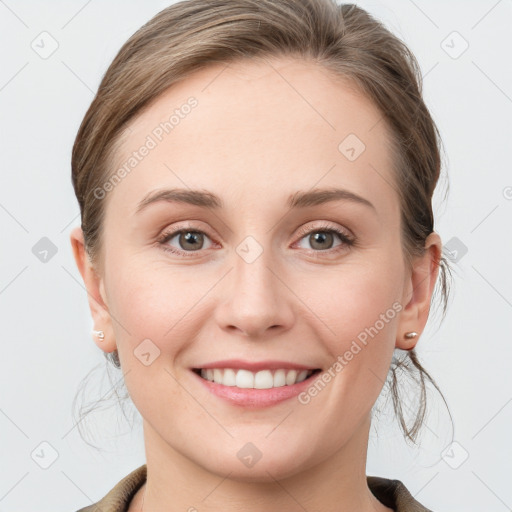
<point x="256" y="398"/>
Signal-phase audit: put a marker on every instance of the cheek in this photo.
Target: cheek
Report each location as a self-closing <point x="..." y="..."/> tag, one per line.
<point x="359" y="317"/>
<point x="155" y="308"/>
<point x="151" y="303"/>
<point x="355" y="297"/>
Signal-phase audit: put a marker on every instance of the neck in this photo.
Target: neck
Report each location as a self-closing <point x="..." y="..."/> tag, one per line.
<point x="335" y="484"/>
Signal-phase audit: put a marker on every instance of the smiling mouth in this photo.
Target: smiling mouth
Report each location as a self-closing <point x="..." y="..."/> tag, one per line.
<point x="264" y="379"/>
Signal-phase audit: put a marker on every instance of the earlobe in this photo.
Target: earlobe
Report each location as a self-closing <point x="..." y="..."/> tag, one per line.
<point x="417" y="296"/>
<point x="95" y="293"/>
<point x="409" y="340"/>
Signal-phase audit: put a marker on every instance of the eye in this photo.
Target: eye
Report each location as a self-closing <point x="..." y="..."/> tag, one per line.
<point x="186" y="240"/>
<point x="322" y="238"/>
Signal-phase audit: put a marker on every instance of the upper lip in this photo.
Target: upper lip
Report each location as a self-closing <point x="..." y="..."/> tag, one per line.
<point x="255" y="366"/>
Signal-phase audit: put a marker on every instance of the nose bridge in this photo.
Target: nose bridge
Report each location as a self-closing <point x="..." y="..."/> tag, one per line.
<point x="253" y="269"/>
<point x="257" y="298"/>
<point x="254" y="280"/>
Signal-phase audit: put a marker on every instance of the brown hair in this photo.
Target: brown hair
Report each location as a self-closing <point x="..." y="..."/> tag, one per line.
<point x="344" y="39"/>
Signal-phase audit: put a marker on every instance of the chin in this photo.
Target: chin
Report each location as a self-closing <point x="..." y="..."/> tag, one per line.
<point x="266" y="469"/>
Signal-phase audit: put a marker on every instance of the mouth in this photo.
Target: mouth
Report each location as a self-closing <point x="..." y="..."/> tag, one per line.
<point x="263" y="379"/>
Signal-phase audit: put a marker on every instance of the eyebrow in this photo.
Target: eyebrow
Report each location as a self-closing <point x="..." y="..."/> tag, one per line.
<point x="206" y="199"/>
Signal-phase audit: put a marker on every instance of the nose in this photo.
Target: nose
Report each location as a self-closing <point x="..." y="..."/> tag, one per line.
<point x="257" y="302"/>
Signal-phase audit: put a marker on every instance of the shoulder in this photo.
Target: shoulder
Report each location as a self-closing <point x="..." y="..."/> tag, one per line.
<point x="391" y="493"/>
<point x="119" y="497"/>
<point x="394" y="494"/>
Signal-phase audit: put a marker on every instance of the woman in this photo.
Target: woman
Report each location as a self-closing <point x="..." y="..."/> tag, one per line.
<point x="255" y="181"/>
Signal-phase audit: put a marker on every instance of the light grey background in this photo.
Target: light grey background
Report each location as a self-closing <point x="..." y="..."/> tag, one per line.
<point x="46" y="343"/>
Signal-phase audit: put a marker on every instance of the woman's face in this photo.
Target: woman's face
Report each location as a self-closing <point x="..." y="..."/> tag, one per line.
<point x="257" y="279"/>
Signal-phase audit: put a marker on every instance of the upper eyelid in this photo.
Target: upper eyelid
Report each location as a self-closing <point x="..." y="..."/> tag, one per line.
<point x="327" y="225"/>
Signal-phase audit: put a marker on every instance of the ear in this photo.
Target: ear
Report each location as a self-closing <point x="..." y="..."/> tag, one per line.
<point x="96" y="296"/>
<point x="418" y="289"/>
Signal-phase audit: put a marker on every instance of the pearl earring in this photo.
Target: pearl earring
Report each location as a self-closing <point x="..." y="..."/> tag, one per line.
<point x="410" y="335"/>
<point x="100" y="334"/>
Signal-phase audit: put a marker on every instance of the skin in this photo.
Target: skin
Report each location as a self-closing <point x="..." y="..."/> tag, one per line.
<point x="254" y="139"/>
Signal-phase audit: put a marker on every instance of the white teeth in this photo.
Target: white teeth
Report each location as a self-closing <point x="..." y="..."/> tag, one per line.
<point x="291" y="377"/>
<point x="279" y="378"/>
<point x="302" y="376"/>
<point x="264" y="379"/>
<point x="229" y="377"/>
<point x="244" y="379"/>
<point x="217" y="374"/>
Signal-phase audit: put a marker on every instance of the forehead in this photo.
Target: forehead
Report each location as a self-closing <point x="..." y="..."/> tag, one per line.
<point x="254" y="127"/>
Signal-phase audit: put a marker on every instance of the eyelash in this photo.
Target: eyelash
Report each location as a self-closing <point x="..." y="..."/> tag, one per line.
<point x="347" y="241"/>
